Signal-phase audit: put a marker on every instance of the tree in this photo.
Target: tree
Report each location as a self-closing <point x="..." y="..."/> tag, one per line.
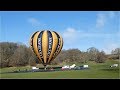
<point x="33" y="60"/>
<point x="73" y="55"/>
<point x="68" y="56"/>
<point x="17" y="54"/>
<point x="116" y="53"/>
<point x="20" y="56"/>
<point x="6" y="51"/>
<point x="92" y="53"/>
<point x="61" y="57"/>
<point x="101" y="57"/>
<point x="84" y="57"/>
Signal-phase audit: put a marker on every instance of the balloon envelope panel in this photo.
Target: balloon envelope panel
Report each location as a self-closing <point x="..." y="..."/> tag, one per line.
<point x="46" y="45"/>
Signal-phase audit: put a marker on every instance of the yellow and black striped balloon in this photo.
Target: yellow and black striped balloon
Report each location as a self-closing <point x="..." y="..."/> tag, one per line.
<point x="46" y="45"/>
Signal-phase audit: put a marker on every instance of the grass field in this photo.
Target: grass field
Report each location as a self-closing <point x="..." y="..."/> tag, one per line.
<point x="95" y="71"/>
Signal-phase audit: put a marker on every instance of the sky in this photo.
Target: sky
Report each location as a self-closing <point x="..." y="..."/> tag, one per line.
<point x="79" y="29"/>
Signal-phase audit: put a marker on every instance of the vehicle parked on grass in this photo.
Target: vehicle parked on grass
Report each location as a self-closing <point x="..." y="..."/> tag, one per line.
<point x="35" y="69"/>
<point x="114" y="65"/>
<point x="65" y="67"/>
<point x="72" y="66"/>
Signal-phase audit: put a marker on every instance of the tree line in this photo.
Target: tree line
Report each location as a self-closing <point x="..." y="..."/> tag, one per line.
<point x="16" y="54"/>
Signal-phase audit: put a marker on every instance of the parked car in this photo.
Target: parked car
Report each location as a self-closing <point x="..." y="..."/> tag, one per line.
<point x="65" y="67"/>
<point x="72" y="66"/>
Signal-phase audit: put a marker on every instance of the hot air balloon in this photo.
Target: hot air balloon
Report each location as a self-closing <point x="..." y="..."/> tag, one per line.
<point x="46" y="45"/>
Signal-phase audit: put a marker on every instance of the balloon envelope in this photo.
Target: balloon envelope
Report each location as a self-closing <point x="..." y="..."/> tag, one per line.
<point x="46" y="45"/>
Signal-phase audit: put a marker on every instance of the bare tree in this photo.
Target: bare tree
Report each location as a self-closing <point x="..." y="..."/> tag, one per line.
<point x="101" y="57"/>
<point x="116" y="53"/>
<point x="6" y="51"/>
<point x="92" y="53"/>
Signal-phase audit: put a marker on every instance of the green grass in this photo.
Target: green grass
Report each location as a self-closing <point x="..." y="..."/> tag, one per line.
<point x="96" y="70"/>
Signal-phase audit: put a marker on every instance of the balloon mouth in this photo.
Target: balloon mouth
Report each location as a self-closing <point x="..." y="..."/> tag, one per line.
<point x="45" y="66"/>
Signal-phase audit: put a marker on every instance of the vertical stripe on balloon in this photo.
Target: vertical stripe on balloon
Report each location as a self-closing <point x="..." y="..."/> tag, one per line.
<point x="35" y="44"/>
<point x="54" y="45"/>
<point x="44" y="45"/>
<point x="50" y="43"/>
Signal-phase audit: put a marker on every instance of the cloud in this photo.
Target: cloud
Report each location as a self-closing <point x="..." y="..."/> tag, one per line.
<point x="35" y="22"/>
<point x="103" y="18"/>
<point x="73" y="38"/>
<point x="70" y="37"/>
<point x="71" y="33"/>
<point x="100" y="21"/>
<point x="110" y="46"/>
